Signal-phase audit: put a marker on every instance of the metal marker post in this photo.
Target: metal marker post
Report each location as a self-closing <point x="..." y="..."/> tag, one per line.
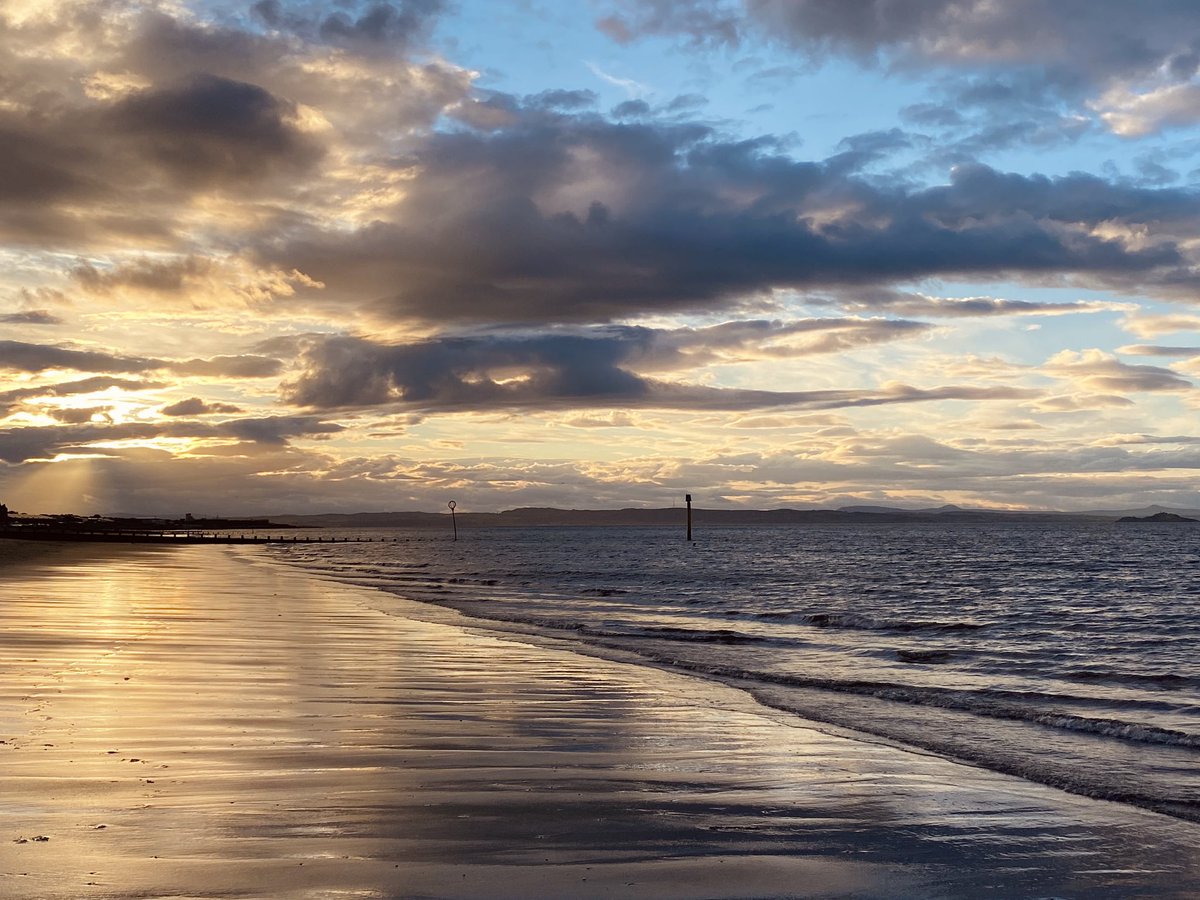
<point x="453" y="521"/>
<point x="689" y="505"/>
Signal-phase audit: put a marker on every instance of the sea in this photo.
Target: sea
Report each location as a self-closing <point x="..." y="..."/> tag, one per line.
<point x="1066" y="653"/>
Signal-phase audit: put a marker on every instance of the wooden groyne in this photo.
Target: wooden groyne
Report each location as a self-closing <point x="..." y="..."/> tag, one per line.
<point x="178" y="537"/>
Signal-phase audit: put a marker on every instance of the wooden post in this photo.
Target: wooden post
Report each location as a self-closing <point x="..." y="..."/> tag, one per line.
<point x="453" y="521"/>
<point x="689" y="506"/>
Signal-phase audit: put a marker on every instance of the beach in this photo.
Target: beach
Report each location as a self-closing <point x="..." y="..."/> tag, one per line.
<point x="205" y="722"/>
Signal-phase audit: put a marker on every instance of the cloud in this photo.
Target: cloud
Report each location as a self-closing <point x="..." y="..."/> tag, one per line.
<point x="147" y="481"/>
<point x="213" y="130"/>
<point x="20" y="356"/>
<point x="85" y="437"/>
<point x="158" y="276"/>
<point x="1150" y="326"/>
<point x="1093" y="39"/>
<point x="245" y="366"/>
<point x="32" y="317"/>
<point x="601" y="368"/>
<point x="195" y="406"/>
<point x="77" y="415"/>
<point x="1100" y="371"/>
<point x="704" y="21"/>
<point x="1153" y="350"/>
<point x="187" y="120"/>
<point x="908" y="303"/>
<point x="757" y="339"/>
<point x="612" y="419"/>
<point x="1132" y="114"/>
<point x="391" y="28"/>
<point x="983" y="113"/>
<point x="569" y="218"/>
<point x="11" y="399"/>
<point x="273" y="430"/>
<point x="1068" y="403"/>
<point x="1134" y="64"/>
<point x="635" y="89"/>
<point x="44" y="442"/>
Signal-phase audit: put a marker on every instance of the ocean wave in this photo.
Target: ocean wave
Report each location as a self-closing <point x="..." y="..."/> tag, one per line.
<point x="981" y="703"/>
<point x="925" y="656"/>
<point x="671" y="633"/>
<point x="985" y="704"/>
<point x="860" y="622"/>
<point x="1166" y="680"/>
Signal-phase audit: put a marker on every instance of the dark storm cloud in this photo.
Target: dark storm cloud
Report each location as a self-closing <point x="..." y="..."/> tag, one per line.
<point x="468" y="372"/>
<point x="560" y="218"/>
<point x="20" y="356"/>
<point x="560" y="370"/>
<point x="39" y="168"/>
<point x="44" y="171"/>
<point x="142" y="154"/>
<point x="213" y="129"/>
<point x="980" y="191"/>
<point x="165" y="49"/>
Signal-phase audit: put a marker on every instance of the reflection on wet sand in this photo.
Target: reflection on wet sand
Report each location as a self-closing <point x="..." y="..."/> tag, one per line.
<point x="196" y="721"/>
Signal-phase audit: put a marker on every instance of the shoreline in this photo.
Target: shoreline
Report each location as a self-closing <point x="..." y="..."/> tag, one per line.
<point x="960" y="737"/>
<point x="209" y="722"/>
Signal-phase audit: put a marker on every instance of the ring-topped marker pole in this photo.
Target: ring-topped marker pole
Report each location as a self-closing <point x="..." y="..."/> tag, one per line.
<point x="453" y="521"/>
<point x="689" y="506"/>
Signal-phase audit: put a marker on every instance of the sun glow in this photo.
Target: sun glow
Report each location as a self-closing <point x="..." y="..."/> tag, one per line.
<point x="67" y="484"/>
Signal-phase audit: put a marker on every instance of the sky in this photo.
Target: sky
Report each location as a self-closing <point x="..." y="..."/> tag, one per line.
<point x="297" y="256"/>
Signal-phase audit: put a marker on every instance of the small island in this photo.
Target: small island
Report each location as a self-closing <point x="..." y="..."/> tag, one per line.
<point x="1157" y="517"/>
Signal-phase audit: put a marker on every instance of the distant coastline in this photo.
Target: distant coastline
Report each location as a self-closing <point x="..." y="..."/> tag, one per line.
<point x="251" y="530"/>
<point x="527" y="517"/>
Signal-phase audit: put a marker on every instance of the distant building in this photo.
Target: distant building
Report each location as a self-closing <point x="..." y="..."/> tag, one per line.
<point x="3" y="514"/>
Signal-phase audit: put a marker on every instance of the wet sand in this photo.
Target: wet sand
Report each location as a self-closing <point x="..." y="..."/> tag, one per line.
<point x="200" y="722"/>
<point x="17" y="554"/>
